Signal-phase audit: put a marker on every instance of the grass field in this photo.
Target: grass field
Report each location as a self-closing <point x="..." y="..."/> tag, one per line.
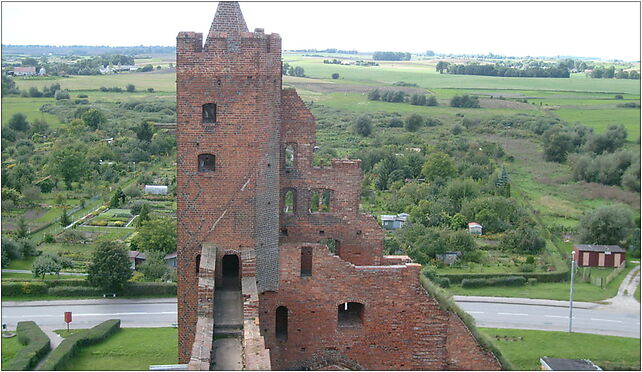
<point x="30" y="276"/>
<point x="10" y="346"/>
<point x="28" y="106"/>
<point x="637" y="294"/>
<point x="585" y="292"/>
<point x="523" y="348"/>
<point x="160" y="81"/>
<point x="128" y="349"/>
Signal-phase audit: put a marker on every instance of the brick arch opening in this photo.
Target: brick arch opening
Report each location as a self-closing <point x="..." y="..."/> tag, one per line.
<point x="231" y="272"/>
<point x="281" y="325"/>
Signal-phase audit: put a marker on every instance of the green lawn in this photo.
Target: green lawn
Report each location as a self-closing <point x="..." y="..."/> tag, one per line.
<point x="142" y="80"/>
<point x="637" y="294"/>
<point x="30" y="276"/>
<point x="128" y="349"/>
<point x="585" y="292"/>
<point x="10" y="346"/>
<point x="524" y="348"/>
<point x="28" y="106"/>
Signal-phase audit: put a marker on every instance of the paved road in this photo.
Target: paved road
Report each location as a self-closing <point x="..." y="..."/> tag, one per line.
<point x="88" y="314"/>
<point x="553" y="318"/>
<point x="162" y="313"/>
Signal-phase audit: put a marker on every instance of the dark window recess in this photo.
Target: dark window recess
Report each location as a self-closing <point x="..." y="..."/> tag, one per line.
<point x="350" y="314"/>
<point x="306" y="261"/>
<point x="198" y="263"/>
<point x="332" y="244"/>
<point x="209" y="113"/>
<point x="289" y="200"/>
<point x="284" y="232"/>
<point x="206" y="163"/>
<point x="281" y="329"/>
<point x="319" y="201"/>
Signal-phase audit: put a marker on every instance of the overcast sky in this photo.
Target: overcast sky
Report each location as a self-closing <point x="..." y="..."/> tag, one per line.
<point x="607" y="30"/>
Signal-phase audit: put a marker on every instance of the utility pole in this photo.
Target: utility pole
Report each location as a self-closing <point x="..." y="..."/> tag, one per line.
<point x="570" y="304"/>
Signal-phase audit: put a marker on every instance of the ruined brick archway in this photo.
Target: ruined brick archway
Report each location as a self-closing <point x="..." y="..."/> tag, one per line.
<point x="328" y="360"/>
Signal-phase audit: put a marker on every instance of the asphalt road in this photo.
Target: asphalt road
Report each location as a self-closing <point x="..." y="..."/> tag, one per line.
<point x="163" y="314"/>
<point x="89" y="315"/>
<point x="553" y="318"/>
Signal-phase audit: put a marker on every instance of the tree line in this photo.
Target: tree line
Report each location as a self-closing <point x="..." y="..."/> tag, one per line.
<point x="391" y="56"/>
<point x="501" y="70"/>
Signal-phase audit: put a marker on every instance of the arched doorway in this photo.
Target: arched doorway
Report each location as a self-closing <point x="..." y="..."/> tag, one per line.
<point x="231" y="272"/>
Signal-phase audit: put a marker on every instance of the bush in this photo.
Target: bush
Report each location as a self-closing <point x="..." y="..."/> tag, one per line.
<point x="532" y="281"/>
<point x="23" y="288"/>
<point x="82" y="96"/>
<point x="456" y="129"/>
<point x="64" y="291"/>
<point x="363" y="125"/>
<point x="36" y="346"/>
<point x="414" y="122"/>
<point x="335" y="76"/>
<point x="510" y="281"/>
<point x="70" y="346"/>
<point x="149" y="288"/>
<point x="442" y="282"/>
<point x="465" y="101"/>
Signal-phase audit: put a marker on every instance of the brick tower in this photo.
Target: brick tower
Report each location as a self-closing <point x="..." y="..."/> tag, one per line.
<point x="317" y="291"/>
<point x="228" y="115"/>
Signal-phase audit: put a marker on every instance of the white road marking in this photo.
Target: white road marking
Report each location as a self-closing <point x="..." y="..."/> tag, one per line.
<point x="607" y="320"/>
<point x="557" y="316"/>
<point x="512" y="314"/>
<point x="475" y="312"/>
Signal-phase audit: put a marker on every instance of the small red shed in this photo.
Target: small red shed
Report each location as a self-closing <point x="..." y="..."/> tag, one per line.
<point x="599" y="255"/>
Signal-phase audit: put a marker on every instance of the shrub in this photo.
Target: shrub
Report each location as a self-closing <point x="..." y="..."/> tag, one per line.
<point x="442" y="282"/>
<point x="70" y="346"/>
<point x="82" y="96"/>
<point x="64" y="291"/>
<point x="619" y="96"/>
<point x="23" y="288"/>
<point x="532" y="281"/>
<point x="363" y="125"/>
<point x="414" y="122"/>
<point x="335" y="76"/>
<point x="36" y="346"/>
<point x="456" y="129"/>
<point x="465" y="101"/>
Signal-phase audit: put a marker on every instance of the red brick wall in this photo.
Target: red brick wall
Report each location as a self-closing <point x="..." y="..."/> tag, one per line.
<point x="403" y="328"/>
<point x="463" y="351"/>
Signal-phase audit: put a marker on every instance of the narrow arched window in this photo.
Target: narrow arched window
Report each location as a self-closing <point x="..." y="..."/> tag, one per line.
<point x="198" y="263"/>
<point x="281" y="327"/>
<point x="289" y="156"/>
<point x="206" y="163"/>
<point x="209" y="113"/>
<point x="289" y="201"/>
<point x="350" y="314"/>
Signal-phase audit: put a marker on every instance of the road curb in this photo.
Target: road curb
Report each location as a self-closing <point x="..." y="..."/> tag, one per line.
<point x="524" y="301"/>
<point x="106" y="301"/>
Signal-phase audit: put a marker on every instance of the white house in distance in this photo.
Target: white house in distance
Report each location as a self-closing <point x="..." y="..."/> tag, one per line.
<point x="156" y="189"/>
<point x="394" y="222"/>
<point x="474" y="228"/>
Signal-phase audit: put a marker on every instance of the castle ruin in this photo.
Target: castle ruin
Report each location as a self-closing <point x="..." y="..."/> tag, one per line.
<point x="255" y="216"/>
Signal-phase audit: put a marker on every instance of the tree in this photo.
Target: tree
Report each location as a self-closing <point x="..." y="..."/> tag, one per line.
<point x="144" y="131"/>
<point x="8" y="85"/>
<point x="414" y="122"/>
<point x="431" y="101"/>
<point x="154" y="266"/>
<point x="64" y="219"/>
<point x="117" y="199"/>
<point x="130" y="88"/>
<point x="299" y="71"/>
<point x="441" y="66"/>
<point x="143" y="215"/>
<point x="606" y="225"/>
<point x="147" y="68"/>
<point x="69" y="161"/>
<point x="609" y="141"/>
<point x="363" y="125"/>
<point x="22" y="229"/>
<point x="157" y="234"/>
<point x="557" y="144"/>
<point x="335" y="76"/>
<point x="110" y="268"/>
<point x="19" y="122"/>
<point x="374" y="95"/>
<point x="438" y="165"/>
<point x="94" y="118"/>
<point x="50" y="263"/>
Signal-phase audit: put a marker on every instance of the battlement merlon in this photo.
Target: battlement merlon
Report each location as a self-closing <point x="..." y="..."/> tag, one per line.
<point x="188" y="42"/>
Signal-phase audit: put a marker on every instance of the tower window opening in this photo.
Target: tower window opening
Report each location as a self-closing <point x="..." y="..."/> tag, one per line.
<point x="320" y="201"/>
<point x="209" y="113"/>
<point x="281" y="328"/>
<point x="306" y="261"/>
<point x="350" y="314"/>
<point x="289" y="156"/>
<point x="289" y="201"/>
<point x="198" y="263"/>
<point x="206" y="163"/>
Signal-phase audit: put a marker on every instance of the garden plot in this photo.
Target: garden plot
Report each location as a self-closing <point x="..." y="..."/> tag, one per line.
<point x="111" y="218"/>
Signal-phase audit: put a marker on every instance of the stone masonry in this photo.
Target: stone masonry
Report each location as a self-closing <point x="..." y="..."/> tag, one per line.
<point x="247" y="189"/>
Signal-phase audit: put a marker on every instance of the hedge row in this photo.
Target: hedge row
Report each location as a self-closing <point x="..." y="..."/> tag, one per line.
<point x="36" y="346"/>
<point x="70" y="345"/>
<point x="74" y="291"/>
<point x="23" y="288"/>
<point x="509" y="281"/>
<point x="550" y="277"/>
<point x="447" y="304"/>
<point x="79" y="287"/>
